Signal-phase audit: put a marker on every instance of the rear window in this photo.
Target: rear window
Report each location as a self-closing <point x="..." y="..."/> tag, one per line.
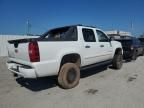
<point x="61" y="34"/>
<point x="125" y="42"/>
<point x="136" y="41"/>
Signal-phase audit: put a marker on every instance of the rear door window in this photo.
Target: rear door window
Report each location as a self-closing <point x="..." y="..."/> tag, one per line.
<point x="88" y="35"/>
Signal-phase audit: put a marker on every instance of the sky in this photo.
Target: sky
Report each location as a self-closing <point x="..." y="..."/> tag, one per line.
<point x="125" y="15"/>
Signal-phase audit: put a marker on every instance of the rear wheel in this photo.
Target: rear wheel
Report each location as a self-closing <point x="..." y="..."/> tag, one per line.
<point x="69" y="75"/>
<point x="117" y="61"/>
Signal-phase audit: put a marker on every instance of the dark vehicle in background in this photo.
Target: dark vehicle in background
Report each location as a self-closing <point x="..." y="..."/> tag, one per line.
<point x="141" y="41"/>
<point x="132" y="48"/>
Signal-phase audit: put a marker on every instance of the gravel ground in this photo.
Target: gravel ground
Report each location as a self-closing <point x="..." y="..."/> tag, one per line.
<point x="99" y="88"/>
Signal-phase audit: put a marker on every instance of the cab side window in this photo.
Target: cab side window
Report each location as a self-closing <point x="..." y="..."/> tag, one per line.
<point x="88" y="35"/>
<point x="101" y="36"/>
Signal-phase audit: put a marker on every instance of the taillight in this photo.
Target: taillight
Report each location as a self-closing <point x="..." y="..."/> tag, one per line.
<point x="34" y="52"/>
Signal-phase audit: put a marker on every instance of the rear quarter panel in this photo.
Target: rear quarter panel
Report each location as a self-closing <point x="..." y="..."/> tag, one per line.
<point x="51" y="54"/>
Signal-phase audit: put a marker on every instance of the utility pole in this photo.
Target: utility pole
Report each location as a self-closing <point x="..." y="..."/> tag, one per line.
<point x="132" y="27"/>
<point x="28" y="28"/>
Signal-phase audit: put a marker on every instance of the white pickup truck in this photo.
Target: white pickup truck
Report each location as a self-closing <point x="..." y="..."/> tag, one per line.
<point x="63" y="51"/>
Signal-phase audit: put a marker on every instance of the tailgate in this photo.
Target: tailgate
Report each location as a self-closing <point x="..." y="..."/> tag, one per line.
<point x="18" y="49"/>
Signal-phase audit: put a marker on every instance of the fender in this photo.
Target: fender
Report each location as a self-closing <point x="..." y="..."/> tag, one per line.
<point x="115" y="45"/>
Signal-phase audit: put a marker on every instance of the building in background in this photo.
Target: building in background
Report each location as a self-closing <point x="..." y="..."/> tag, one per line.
<point x="118" y="34"/>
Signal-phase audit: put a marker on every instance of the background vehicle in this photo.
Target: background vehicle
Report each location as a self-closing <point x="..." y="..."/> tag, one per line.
<point x="141" y="40"/>
<point x="63" y="51"/>
<point x="142" y="44"/>
<point x="132" y="48"/>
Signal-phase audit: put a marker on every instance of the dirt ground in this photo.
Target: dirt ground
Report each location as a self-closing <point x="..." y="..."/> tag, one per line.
<point x="98" y="88"/>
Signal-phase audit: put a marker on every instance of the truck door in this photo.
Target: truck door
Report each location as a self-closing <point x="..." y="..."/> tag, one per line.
<point x="90" y="47"/>
<point x="105" y="46"/>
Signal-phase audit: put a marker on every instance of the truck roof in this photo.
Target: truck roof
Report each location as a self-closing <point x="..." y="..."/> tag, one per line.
<point x="67" y="27"/>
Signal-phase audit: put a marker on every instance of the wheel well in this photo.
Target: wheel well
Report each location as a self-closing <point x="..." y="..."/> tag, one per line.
<point x="118" y="50"/>
<point x="71" y="58"/>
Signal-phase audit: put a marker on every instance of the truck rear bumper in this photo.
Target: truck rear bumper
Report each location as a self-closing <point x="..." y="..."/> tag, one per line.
<point x="21" y="70"/>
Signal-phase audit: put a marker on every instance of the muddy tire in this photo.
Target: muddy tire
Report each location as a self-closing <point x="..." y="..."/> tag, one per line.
<point x="117" y="61"/>
<point x="69" y="76"/>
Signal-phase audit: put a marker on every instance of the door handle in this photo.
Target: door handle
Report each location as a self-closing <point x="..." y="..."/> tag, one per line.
<point x="87" y="46"/>
<point x="101" y="45"/>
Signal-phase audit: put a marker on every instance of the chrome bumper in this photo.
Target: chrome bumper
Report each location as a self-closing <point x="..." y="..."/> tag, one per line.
<point x="21" y="70"/>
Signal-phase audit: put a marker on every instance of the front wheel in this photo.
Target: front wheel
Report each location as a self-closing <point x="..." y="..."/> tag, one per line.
<point x="117" y="61"/>
<point x="69" y="75"/>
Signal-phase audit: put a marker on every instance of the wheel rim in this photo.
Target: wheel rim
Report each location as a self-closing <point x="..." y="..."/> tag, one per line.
<point x="71" y="76"/>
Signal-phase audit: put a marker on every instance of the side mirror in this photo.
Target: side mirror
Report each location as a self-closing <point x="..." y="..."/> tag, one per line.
<point x="111" y="39"/>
